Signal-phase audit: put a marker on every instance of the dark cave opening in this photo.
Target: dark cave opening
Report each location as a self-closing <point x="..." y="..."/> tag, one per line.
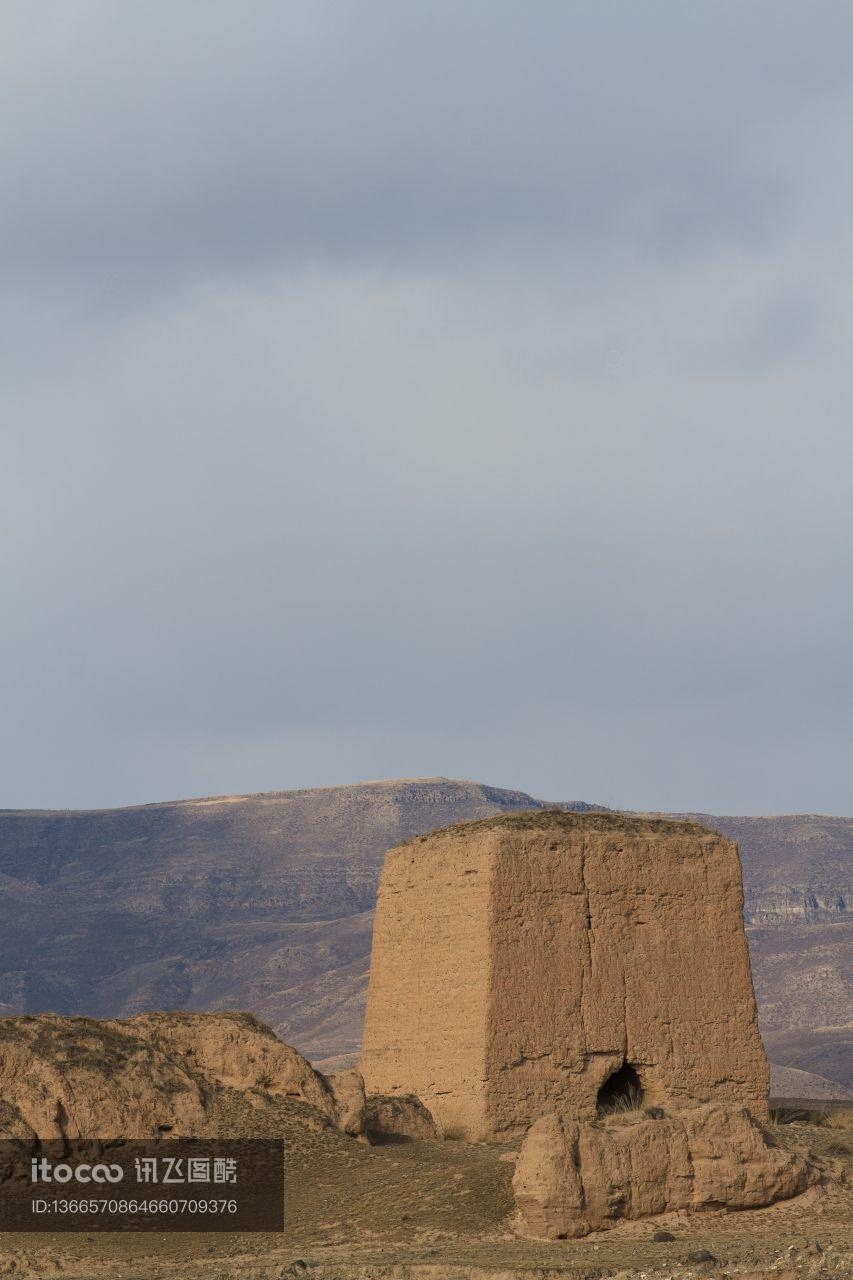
<point x="620" y="1092"/>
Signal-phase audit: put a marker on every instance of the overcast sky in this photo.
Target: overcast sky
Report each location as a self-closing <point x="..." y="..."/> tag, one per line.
<point x="412" y="388"/>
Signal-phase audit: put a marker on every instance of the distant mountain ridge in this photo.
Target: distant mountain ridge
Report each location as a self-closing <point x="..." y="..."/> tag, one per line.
<point x="261" y="902"/>
<point x="796" y="866"/>
<point x="264" y="902"/>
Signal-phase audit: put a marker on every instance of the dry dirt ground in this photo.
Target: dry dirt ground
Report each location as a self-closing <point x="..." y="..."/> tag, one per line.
<point x="443" y="1211"/>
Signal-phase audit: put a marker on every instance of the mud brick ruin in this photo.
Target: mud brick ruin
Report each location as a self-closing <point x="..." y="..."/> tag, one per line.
<point x="536" y="973"/>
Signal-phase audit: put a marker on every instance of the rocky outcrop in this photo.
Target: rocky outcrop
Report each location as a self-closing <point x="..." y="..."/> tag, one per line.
<point x="402" y="1119"/>
<point x="574" y="1178"/>
<point x="525" y="963"/>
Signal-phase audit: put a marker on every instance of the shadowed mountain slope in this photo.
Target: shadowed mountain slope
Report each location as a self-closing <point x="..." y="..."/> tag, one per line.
<point x="796" y="867"/>
<point x="254" y="902"/>
<point x="265" y="903"/>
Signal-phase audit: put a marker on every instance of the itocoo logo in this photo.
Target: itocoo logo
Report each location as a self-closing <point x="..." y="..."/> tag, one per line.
<point x="43" y="1171"/>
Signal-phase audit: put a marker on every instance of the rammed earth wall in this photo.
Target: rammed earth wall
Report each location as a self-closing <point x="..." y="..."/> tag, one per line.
<point x="519" y="962"/>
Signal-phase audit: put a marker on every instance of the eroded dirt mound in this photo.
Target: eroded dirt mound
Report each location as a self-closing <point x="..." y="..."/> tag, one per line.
<point x="152" y="1074"/>
<point x="402" y="1119"/>
<point x="573" y="1178"/>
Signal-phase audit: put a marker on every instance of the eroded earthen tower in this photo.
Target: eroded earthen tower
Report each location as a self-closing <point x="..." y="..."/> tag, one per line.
<point x="547" y="961"/>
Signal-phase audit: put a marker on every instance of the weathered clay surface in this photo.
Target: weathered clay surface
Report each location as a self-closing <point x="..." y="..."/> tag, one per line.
<point x="155" y="1073"/>
<point x="401" y="1117"/>
<point x="573" y="1178"/>
<point x="518" y="962"/>
<point x="348" y="1090"/>
<point x="425" y="1026"/>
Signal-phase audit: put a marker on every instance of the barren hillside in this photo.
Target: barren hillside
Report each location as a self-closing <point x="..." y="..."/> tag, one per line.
<point x="261" y="902"/>
<point x="265" y="902"/>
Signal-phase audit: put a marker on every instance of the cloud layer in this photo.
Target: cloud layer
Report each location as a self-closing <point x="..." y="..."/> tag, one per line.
<point x="415" y="389"/>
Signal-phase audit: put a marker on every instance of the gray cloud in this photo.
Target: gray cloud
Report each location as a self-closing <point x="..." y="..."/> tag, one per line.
<point x="159" y="143"/>
<point x="427" y="389"/>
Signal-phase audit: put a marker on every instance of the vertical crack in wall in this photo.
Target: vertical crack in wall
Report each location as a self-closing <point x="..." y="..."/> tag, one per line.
<point x="586" y="960"/>
<point x="627" y="1050"/>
